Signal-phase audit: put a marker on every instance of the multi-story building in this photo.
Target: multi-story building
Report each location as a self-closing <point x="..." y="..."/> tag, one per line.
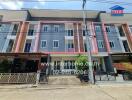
<point x="61" y="35"/>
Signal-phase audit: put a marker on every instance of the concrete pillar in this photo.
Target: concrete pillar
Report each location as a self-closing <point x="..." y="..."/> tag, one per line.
<point x="37" y="38"/>
<point x="22" y="37"/>
<point x="106" y="38"/>
<point x="76" y="46"/>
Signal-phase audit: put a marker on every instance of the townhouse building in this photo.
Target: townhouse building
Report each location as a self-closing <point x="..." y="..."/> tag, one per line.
<point x="60" y="34"/>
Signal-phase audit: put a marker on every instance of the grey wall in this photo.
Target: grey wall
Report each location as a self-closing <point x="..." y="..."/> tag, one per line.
<point x="50" y="36"/>
<point x="113" y="35"/>
<point x="100" y="36"/>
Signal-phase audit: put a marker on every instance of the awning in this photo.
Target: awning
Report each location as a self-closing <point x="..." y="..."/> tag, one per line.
<point x="23" y="55"/>
<point x="126" y="66"/>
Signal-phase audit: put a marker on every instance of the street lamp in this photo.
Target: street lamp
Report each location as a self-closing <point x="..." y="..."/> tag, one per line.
<point x="91" y="77"/>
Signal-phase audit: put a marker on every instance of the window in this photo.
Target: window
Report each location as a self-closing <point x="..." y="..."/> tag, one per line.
<point x="108" y="29"/>
<point x="100" y="44"/>
<point x="85" y="47"/>
<point x="97" y="29"/>
<point x="1" y="17"/>
<point x="84" y="33"/>
<point x="112" y="45"/>
<point x="27" y="46"/>
<point x="70" y="44"/>
<point x="10" y="45"/>
<point x="46" y="28"/>
<point x="126" y="47"/>
<point x="121" y="32"/>
<point x="55" y="43"/>
<point x="69" y="64"/>
<point x="130" y="28"/>
<point x="31" y="30"/>
<point x="43" y="43"/>
<point x="56" y="28"/>
<point x="15" y="28"/>
<point x="70" y="32"/>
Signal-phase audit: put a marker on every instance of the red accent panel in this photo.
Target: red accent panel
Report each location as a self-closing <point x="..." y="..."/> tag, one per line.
<point x="80" y="37"/>
<point x="94" y="38"/>
<point x="106" y="38"/>
<point x="75" y="37"/>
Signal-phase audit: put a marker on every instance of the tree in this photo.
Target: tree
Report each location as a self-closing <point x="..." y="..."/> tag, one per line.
<point x="82" y="63"/>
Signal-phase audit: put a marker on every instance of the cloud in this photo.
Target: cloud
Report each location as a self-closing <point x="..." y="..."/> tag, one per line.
<point x="41" y="2"/>
<point x="11" y="5"/>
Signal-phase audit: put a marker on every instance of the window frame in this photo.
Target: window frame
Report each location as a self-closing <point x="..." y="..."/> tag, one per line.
<point x="47" y="28"/>
<point x="54" y="45"/>
<point x="1" y="17"/>
<point x="43" y="41"/>
<point x="108" y="27"/>
<point x="97" y="28"/>
<point x="100" y="43"/>
<point x="71" y="32"/>
<point x="56" y="26"/>
<point x="113" y="43"/>
<point x="130" y="27"/>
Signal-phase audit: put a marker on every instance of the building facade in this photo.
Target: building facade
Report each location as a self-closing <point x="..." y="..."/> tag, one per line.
<point x="60" y="33"/>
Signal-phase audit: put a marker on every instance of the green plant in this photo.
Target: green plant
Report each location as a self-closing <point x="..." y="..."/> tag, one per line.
<point x="82" y="63"/>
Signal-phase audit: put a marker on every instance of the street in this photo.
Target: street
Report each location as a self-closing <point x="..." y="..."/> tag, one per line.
<point x="67" y="92"/>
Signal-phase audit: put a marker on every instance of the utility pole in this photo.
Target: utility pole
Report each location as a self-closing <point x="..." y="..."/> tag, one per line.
<point x="91" y="77"/>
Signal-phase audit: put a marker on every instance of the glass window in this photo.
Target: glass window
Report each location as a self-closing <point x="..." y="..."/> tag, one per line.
<point x="85" y="47"/>
<point x="130" y="28"/>
<point x="100" y="44"/>
<point x="70" y="32"/>
<point x="43" y="43"/>
<point x="46" y="28"/>
<point x="31" y="30"/>
<point x="108" y="29"/>
<point x="15" y="28"/>
<point x="112" y="45"/>
<point x="1" y="17"/>
<point x="27" y="46"/>
<point x="97" y="28"/>
<point x="84" y="33"/>
<point x="70" y="44"/>
<point x="10" y="45"/>
<point x="55" y="43"/>
<point x="56" y="28"/>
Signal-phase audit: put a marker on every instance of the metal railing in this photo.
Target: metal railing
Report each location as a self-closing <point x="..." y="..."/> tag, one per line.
<point x="18" y="78"/>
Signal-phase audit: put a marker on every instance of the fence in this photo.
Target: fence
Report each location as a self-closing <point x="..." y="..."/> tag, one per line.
<point x="18" y="78"/>
<point x="105" y="77"/>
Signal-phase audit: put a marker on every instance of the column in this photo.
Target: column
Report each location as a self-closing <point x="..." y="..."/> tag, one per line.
<point x="94" y="41"/>
<point x="80" y="38"/>
<point x="37" y="37"/>
<point x="22" y="37"/>
<point x="128" y="34"/>
<point x="106" y="38"/>
<point x="75" y="37"/>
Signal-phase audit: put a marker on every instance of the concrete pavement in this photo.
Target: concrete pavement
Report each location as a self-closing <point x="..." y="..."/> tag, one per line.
<point x="67" y="92"/>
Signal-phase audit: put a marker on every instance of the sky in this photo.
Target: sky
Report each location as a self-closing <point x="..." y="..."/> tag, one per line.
<point x="73" y="5"/>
